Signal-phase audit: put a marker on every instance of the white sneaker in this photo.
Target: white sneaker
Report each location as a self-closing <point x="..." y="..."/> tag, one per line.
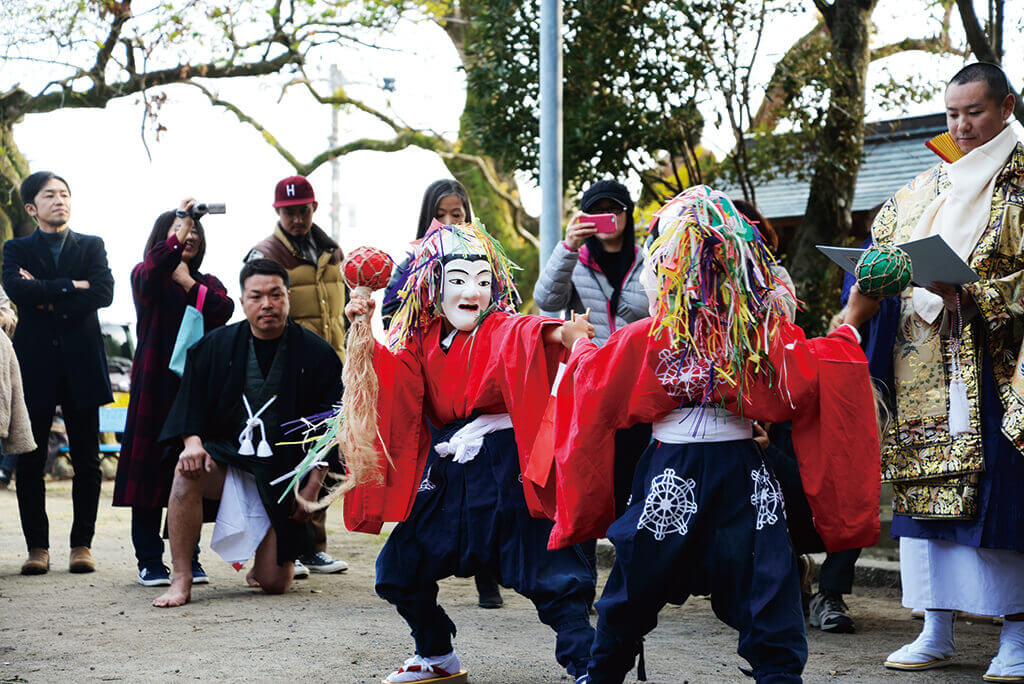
<point x="301" y="571"/>
<point x="419" y="669"/>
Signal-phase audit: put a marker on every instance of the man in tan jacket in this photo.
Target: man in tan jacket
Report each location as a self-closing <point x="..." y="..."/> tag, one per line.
<point x="313" y="261"/>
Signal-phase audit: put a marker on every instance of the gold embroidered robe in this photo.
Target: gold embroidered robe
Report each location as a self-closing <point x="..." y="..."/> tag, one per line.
<point x="935" y="475"/>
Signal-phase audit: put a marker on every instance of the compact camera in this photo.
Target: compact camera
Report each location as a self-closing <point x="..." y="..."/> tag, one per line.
<point x="200" y="210"/>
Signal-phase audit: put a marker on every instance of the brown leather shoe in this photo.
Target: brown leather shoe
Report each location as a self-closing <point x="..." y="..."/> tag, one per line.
<point x="38" y="562"/>
<point x="81" y="560"/>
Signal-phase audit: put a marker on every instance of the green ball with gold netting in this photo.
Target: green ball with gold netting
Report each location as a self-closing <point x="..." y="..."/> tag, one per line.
<point x="883" y="271"/>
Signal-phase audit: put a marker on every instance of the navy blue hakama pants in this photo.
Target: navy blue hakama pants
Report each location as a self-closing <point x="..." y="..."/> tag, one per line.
<point x="470" y="518"/>
<point x="706" y="518"/>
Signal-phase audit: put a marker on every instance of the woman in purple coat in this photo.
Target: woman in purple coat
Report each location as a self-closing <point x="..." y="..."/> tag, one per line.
<point x="165" y="283"/>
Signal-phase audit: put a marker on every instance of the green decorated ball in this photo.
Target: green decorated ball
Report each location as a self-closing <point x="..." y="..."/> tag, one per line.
<point x="883" y="271"/>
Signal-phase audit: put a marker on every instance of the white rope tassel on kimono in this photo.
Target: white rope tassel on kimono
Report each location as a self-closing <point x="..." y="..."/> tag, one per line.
<point x="959" y="410"/>
<point x="242" y="520"/>
<point x="251" y="423"/>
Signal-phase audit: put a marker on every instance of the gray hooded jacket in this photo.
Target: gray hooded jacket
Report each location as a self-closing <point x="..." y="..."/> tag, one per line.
<point x="573" y="282"/>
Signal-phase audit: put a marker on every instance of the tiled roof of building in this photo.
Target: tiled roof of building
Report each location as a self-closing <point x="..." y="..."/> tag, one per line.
<point x="894" y="152"/>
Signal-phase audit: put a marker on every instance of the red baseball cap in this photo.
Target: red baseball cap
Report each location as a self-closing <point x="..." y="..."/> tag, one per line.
<point x="293" y="190"/>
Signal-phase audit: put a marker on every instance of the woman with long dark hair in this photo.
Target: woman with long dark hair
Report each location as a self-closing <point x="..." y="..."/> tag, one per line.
<point x="167" y="281"/>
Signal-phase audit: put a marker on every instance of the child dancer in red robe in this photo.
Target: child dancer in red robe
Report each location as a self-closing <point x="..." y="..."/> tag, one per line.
<point x="706" y="515"/>
<point x="460" y="357"/>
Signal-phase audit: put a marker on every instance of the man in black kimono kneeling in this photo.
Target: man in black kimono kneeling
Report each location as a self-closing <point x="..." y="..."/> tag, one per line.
<point x="265" y="356"/>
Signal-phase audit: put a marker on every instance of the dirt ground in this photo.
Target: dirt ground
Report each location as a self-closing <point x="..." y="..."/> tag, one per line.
<point x="100" y="626"/>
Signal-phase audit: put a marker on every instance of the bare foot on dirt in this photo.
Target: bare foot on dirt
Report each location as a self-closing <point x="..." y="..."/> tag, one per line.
<point x="250" y="578"/>
<point x="174" y="596"/>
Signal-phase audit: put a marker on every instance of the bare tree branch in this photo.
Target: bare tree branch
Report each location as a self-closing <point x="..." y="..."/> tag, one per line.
<point x="488" y="173"/>
<point x="99" y="95"/>
<point x="246" y="119"/>
<point x="933" y="44"/>
<point x="940" y="43"/>
<point x="340" y="98"/>
<point x="122" y="12"/>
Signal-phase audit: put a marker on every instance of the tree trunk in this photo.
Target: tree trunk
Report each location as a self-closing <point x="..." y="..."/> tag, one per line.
<point x="828" y="218"/>
<point x="14" y="222"/>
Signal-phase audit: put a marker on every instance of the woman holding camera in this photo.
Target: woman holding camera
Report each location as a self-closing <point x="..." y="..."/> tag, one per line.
<point x="596" y="269"/>
<point x="163" y="285"/>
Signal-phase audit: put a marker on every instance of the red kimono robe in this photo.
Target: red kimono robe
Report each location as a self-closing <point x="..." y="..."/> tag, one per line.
<point x="821" y="384"/>
<point x="500" y="367"/>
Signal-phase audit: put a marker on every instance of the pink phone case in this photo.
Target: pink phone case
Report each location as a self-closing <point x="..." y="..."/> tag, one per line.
<point x="605" y="223"/>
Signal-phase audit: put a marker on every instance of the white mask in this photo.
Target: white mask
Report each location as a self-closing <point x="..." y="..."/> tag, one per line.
<point x="465" y="292"/>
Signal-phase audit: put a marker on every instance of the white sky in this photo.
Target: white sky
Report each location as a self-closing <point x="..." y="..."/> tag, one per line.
<point x="207" y="153"/>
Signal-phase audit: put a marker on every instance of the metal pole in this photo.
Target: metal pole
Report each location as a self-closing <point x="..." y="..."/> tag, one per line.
<point x="335" y="165"/>
<point x="550" y="127"/>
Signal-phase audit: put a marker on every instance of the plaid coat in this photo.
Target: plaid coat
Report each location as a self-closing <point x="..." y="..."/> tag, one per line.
<point x="143" y="473"/>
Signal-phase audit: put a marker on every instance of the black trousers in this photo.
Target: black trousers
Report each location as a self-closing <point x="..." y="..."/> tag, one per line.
<point x="837" y="571"/>
<point x="84" y="443"/>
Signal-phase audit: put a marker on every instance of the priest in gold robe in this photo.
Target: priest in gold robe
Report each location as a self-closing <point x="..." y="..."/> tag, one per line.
<point x="955" y="453"/>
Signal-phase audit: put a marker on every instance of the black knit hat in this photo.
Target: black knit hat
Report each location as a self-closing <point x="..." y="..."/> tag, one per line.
<point x="606" y="189"/>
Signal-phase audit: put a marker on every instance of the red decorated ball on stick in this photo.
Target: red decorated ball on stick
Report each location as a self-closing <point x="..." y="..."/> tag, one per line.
<point x="368" y="267"/>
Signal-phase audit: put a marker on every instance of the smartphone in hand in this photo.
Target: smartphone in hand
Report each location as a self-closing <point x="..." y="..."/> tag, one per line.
<point x="604" y="223"/>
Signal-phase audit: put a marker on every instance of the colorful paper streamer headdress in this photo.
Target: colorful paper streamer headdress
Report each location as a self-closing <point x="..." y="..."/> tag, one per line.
<point x="711" y="273"/>
<point x="420" y="296"/>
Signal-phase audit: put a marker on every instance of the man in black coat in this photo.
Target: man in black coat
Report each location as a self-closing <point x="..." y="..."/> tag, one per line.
<point x="266" y="365"/>
<point x="59" y="278"/>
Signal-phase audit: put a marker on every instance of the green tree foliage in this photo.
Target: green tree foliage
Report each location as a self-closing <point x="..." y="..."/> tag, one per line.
<point x="630" y="89"/>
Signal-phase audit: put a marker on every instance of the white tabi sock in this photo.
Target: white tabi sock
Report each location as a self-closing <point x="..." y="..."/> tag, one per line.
<point x="1009" y="662"/>
<point x="418" y="668"/>
<point x="935" y="642"/>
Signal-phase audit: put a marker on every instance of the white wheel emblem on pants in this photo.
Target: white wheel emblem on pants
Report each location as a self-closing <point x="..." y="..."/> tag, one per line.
<point x="669" y="505"/>
<point x="426" y="485"/>
<point x="767" y="497"/>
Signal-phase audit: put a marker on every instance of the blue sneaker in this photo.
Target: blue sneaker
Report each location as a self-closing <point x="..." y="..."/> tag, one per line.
<point x="199" y="575"/>
<point x="154" y="575"/>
